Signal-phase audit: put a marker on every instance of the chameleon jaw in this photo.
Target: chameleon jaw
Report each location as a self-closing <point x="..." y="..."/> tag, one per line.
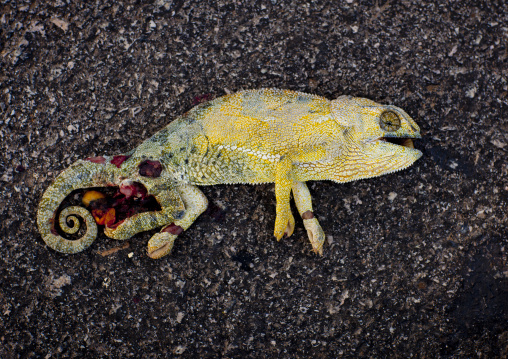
<point x="406" y="144"/>
<point x="400" y="141"/>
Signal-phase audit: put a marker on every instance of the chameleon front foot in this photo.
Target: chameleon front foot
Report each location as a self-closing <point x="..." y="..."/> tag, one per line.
<point x="284" y="226"/>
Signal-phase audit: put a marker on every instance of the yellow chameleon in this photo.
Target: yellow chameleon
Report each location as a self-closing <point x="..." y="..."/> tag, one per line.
<point x="259" y="136"/>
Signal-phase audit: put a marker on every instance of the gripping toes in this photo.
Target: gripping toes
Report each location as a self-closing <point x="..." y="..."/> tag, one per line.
<point x="195" y="202"/>
<point x="160" y="244"/>
<point x="284" y="223"/>
<point x="315" y="234"/>
<point x="303" y="202"/>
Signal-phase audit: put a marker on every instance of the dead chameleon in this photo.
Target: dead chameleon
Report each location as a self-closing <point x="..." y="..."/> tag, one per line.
<point x="258" y="136"/>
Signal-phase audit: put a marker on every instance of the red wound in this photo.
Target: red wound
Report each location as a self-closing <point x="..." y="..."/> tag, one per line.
<point x="104" y="217"/>
<point x="173" y="229"/>
<point x="130" y="199"/>
<point x="118" y="160"/>
<point x="98" y="159"/>
<point x="132" y="189"/>
<point x="115" y="225"/>
<point x="149" y="168"/>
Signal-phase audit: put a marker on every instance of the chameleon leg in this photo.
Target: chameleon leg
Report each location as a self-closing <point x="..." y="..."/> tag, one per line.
<point x="172" y="207"/>
<point x="284" y="220"/>
<point x="303" y="202"/>
<point x="195" y="203"/>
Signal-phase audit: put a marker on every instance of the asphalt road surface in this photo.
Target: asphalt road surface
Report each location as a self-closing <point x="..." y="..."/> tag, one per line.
<point x="415" y="263"/>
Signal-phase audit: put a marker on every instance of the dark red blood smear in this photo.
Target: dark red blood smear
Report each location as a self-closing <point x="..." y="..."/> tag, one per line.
<point x="20" y="168"/>
<point x="149" y="168"/>
<point x="52" y="224"/>
<point x="214" y="211"/>
<point x="102" y="204"/>
<point x="201" y="98"/>
<point x="98" y="159"/>
<point x="118" y="160"/>
<point x="128" y="207"/>
<point x="173" y="229"/>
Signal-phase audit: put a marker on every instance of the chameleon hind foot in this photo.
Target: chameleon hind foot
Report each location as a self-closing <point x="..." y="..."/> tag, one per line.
<point x="303" y="202"/>
<point x="196" y="203"/>
<point x="160" y="244"/>
<point x="315" y="234"/>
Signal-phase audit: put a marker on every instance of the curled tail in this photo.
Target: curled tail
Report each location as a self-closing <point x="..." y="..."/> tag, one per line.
<point x="81" y="174"/>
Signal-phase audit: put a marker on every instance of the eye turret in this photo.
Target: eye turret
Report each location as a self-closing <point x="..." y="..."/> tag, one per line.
<point x="389" y="121"/>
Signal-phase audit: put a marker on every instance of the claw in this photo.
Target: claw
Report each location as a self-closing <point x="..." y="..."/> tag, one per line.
<point x="290" y="227"/>
<point x="315" y="234"/>
<point x="284" y="227"/>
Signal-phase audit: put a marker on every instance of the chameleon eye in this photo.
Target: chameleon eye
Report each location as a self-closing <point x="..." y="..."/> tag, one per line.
<point x="389" y="121"/>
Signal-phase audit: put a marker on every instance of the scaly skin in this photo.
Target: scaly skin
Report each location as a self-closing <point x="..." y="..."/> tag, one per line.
<point x="259" y="136"/>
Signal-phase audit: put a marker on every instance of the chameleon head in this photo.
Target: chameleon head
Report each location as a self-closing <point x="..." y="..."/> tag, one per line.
<point x="379" y="137"/>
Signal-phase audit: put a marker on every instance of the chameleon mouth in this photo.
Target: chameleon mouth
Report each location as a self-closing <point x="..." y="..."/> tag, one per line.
<point x="400" y="141"/>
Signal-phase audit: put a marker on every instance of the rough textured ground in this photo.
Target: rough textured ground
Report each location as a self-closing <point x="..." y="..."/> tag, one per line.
<point x="416" y="262"/>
